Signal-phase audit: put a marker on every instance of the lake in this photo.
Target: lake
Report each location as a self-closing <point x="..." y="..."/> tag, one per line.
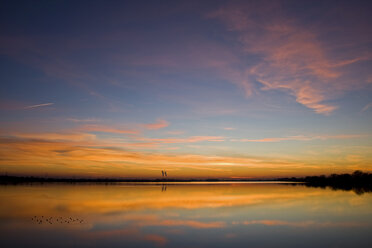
<point x="183" y="215"/>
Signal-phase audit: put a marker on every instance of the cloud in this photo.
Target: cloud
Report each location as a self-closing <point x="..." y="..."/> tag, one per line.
<point x="369" y="105"/>
<point x="72" y="137"/>
<point x="106" y="129"/>
<point x="157" y="125"/>
<point x="39" y="105"/>
<point x="85" y="155"/>
<point x="229" y="128"/>
<point x="275" y="50"/>
<point x="175" y="132"/>
<point x="191" y="139"/>
<point x="289" y="57"/>
<point x="110" y="129"/>
<point x="302" y="138"/>
<point x="83" y="120"/>
<point x="135" y="141"/>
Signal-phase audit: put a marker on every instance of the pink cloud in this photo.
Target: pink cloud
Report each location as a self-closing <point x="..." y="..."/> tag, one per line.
<point x="175" y="132"/>
<point x="303" y="138"/>
<point x="368" y="106"/>
<point x="144" y="142"/>
<point x="83" y="120"/>
<point x="292" y="58"/>
<point x="73" y="137"/>
<point x="191" y="139"/>
<point x="106" y="129"/>
<point x="110" y="129"/>
<point x="229" y="128"/>
<point x="157" y="125"/>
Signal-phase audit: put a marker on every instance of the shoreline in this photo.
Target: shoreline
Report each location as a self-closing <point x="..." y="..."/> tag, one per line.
<point x="19" y="179"/>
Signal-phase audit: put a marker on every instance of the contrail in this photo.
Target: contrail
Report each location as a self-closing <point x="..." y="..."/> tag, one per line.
<point x="39" y="105"/>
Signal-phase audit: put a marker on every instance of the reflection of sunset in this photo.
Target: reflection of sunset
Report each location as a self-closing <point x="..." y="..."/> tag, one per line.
<point x="140" y="213"/>
<point x="301" y="223"/>
<point x="96" y="200"/>
<point x="93" y="199"/>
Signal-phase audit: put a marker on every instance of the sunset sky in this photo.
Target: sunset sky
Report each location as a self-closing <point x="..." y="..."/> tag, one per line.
<point x="240" y="89"/>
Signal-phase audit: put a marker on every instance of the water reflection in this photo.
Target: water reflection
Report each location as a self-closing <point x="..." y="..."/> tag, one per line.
<point x="356" y="190"/>
<point x="186" y="215"/>
<point x="163" y="187"/>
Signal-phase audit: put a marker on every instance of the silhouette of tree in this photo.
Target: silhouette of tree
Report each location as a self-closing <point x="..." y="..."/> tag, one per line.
<point x="360" y="182"/>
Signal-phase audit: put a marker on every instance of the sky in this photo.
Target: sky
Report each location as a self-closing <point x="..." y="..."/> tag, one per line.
<point x="201" y="89"/>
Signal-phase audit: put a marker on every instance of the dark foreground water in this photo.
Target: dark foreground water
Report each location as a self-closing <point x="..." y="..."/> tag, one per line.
<point x="187" y="215"/>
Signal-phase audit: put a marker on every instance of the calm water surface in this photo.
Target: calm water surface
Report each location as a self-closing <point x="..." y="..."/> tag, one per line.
<point x="186" y="215"/>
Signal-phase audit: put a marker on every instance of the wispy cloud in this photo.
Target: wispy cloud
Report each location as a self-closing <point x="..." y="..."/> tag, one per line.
<point x="72" y="137"/>
<point x="39" y="105"/>
<point x="229" y="128"/>
<point x="292" y="58"/>
<point x="86" y="154"/>
<point x="157" y="125"/>
<point x="175" y="132"/>
<point x="302" y="138"/>
<point x="191" y="139"/>
<point x="83" y="120"/>
<point x="369" y="105"/>
<point x="106" y="129"/>
<point x="118" y="130"/>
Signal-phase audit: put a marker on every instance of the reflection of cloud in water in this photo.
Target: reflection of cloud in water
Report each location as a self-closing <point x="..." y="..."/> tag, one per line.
<point x="143" y="215"/>
<point x="300" y="223"/>
<point x="115" y="200"/>
<point x="62" y="208"/>
<point x="129" y="234"/>
<point x="188" y="223"/>
<point x="110" y="203"/>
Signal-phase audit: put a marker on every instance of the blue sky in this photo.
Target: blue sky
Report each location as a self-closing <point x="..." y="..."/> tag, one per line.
<point x="202" y="88"/>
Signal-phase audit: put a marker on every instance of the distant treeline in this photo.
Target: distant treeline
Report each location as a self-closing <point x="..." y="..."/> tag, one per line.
<point x="360" y="182"/>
